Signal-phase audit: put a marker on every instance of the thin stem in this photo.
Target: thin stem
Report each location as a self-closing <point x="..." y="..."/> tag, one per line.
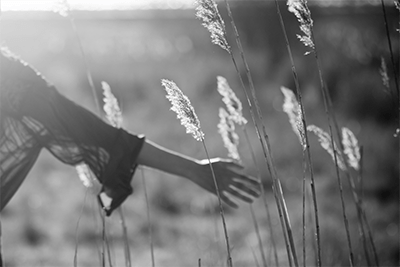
<point x="303" y="113"/>
<point x="390" y="48"/>
<point x="304" y="213"/>
<point x="328" y="114"/>
<point x="255" y="258"/>
<point x="77" y="228"/>
<point x="221" y="209"/>
<point x="88" y="72"/>
<point x="263" y="195"/>
<point x="361" y="179"/>
<point x="260" y="245"/>
<point x="265" y="145"/>
<point x="148" y="220"/>
<point x="361" y="216"/>
<point x="103" y="236"/>
<point x="127" y="251"/>
<point x="1" y="253"/>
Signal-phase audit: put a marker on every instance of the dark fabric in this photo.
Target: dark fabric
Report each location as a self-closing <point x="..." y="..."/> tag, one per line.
<point x="34" y="115"/>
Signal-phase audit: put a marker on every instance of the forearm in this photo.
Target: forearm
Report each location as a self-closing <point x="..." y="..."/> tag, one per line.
<point x="163" y="159"/>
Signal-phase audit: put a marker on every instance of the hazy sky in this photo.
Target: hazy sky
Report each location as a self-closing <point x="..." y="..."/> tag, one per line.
<point x="7" y="5"/>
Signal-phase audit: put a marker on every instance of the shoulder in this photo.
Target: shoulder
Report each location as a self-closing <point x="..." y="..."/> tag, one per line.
<point x="19" y="79"/>
<point x="15" y="69"/>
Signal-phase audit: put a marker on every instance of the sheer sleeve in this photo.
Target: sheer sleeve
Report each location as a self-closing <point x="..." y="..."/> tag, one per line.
<point x="34" y="115"/>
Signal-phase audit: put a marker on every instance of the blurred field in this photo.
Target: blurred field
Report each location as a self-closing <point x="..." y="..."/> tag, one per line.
<point x="133" y="51"/>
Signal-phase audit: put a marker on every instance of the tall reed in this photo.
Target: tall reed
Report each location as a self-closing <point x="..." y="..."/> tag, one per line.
<point x="306" y="144"/>
<point x="208" y="12"/>
<point x="63" y="8"/>
<point x="186" y="114"/>
<point x="226" y="128"/>
<point x="300" y="9"/>
<point x="234" y="106"/>
<point x="394" y="68"/>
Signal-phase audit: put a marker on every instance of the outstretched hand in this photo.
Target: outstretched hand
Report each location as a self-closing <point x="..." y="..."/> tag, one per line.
<point x="232" y="181"/>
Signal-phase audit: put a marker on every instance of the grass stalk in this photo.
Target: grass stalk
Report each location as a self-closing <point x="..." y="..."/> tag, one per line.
<point x="77" y="228"/>
<point x="260" y="245"/>
<point x="265" y="145"/>
<point x="395" y="73"/>
<point x="149" y="225"/>
<point x="95" y="97"/>
<point x="328" y="115"/>
<point x="88" y="72"/>
<point x="361" y="215"/>
<point x="255" y="258"/>
<point x="304" y="122"/>
<point x="263" y="195"/>
<point x="1" y="251"/>
<point x="127" y="251"/>
<point x="304" y="214"/>
<point x="221" y="209"/>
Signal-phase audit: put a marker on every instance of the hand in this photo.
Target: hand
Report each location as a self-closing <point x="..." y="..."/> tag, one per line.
<point x="230" y="179"/>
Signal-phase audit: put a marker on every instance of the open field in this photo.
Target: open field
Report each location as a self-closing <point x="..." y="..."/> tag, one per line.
<point x="133" y="51"/>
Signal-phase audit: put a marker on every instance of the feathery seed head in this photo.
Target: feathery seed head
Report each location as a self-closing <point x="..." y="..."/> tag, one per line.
<point x="226" y="129"/>
<point x="231" y="101"/>
<point x="351" y="148"/>
<point x="183" y="108"/>
<point x="292" y="108"/>
<point x="207" y="11"/>
<point x="61" y="7"/>
<point x="111" y="107"/>
<point x="397" y="5"/>
<point x="85" y="175"/>
<point x="384" y="74"/>
<point x="300" y="9"/>
<point x="325" y="141"/>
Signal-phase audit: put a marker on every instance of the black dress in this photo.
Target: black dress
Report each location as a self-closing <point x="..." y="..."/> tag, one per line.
<point x="34" y="115"/>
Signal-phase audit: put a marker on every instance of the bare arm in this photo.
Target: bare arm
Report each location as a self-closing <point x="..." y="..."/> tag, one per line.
<point x="230" y="176"/>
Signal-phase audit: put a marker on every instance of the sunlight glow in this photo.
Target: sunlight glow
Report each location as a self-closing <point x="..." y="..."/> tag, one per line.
<point x="48" y="5"/>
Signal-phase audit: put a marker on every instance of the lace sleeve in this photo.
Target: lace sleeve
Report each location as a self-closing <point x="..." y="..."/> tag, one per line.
<point x="34" y="115"/>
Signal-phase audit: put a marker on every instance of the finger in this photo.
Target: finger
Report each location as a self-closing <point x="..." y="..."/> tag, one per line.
<point x="246" y="189"/>
<point x="228" y="201"/>
<point x="247" y="179"/>
<point x="234" y="166"/>
<point x="240" y="195"/>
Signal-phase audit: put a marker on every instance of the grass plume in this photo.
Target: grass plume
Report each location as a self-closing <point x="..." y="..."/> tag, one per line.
<point x="114" y="117"/>
<point x="300" y="9"/>
<point x="232" y="102"/>
<point x="185" y="112"/>
<point x="326" y="143"/>
<point x="207" y="11"/>
<point x="226" y="129"/>
<point x="351" y="148"/>
<point x="292" y="108"/>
